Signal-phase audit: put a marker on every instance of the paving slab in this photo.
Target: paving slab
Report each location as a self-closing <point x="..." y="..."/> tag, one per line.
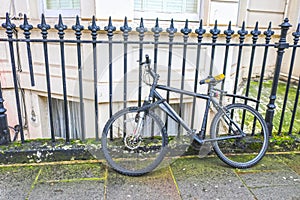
<point x="52" y="173"/>
<point x="79" y="190"/>
<point x="156" y="185"/>
<point x="208" y="178"/>
<point x="16" y="182"/>
<point x="286" y="192"/>
<point x="271" y="171"/>
<point x="292" y="160"/>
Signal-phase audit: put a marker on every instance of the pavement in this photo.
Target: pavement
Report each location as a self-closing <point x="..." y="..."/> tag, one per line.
<point x="277" y="176"/>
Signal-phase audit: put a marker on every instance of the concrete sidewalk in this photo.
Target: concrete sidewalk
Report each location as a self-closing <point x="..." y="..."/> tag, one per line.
<point x="275" y="177"/>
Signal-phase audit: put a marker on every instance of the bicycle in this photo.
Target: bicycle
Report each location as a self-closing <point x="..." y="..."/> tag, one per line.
<point x="135" y="139"/>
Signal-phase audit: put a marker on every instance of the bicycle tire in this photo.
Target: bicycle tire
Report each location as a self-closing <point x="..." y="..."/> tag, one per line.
<point x="147" y="155"/>
<point x="243" y="152"/>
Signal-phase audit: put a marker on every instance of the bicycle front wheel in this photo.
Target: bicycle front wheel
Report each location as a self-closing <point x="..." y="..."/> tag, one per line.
<point x="133" y="150"/>
<point x="239" y="120"/>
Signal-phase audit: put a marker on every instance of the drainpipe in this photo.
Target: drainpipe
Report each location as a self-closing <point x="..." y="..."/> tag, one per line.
<point x="4" y="131"/>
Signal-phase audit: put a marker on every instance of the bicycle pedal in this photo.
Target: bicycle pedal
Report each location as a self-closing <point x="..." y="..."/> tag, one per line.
<point x="205" y="150"/>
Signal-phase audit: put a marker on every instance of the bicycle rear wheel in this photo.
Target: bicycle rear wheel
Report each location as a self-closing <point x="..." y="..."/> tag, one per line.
<point x="131" y="155"/>
<point x="241" y="152"/>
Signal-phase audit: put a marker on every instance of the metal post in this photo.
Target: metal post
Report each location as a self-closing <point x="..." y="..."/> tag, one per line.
<point x="4" y="131"/>
<point x="281" y="45"/>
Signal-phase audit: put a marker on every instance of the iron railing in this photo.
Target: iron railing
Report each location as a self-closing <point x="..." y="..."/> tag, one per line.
<point x="227" y="44"/>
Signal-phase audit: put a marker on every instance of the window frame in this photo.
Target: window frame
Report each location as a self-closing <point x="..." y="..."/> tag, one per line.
<point x="55" y="13"/>
<point x="167" y="16"/>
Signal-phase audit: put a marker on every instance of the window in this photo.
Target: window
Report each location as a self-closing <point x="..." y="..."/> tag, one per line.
<point x="68" y="8"/>
<point x="224" y="11"/>
<point x="59" y="119"/>
<point x="167" y="9"/>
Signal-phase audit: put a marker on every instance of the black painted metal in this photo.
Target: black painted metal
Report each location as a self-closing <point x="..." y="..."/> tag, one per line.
<point x="78" y="28"/>
<point x="156" y="30"/>
<point x="27" y="27"/>
<point x="255" y="33"/>
<point x="200" y="31"/>
<point x="44" y="31"/>
<point x="242" y="34"/>
<point x="9" y="31"/>
<point x="215" y="31"/>
<point x="281" y="46"/>
<point x="125" y="29"/>
<point x="4" y="130"/>
<point x="295" y="108"/>
<point x="110" y="32"/>
<point x="94" y="28"/>
<point x="296" y="39"/>
<point x="141" y="30"/>
<point x="156" y="43"/>
<point x="185" y="31"/>
<point x="171" y="30"/>
<point x="229" y="32"/>
<point x="61" y="28"/>
<point x="268" y="33"/>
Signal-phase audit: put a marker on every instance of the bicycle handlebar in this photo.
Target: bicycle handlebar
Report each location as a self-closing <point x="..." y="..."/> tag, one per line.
<point x="208" y="80"/>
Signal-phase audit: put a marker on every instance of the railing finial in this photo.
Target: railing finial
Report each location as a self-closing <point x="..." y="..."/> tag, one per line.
<point x="77" y="27"/>
<point x="125" y="27"/>
<point x="110" y="28"/>
<point x="141" y="29"/>
<point x="171" y="29"/>
<point x="156" y="29"/>
<point x="60" y="27"/>
<point x="186" y="30"/>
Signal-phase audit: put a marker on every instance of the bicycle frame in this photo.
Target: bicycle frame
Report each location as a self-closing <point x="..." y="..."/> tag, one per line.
<point x="165" y="106"/>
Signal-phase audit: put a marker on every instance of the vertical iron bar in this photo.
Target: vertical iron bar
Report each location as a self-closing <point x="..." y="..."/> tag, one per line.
<point x="296" y="39"/>
<point x="171" y="30"/>
<point x="27" y="27"/>
<point x="125" y="29"/>
<point x="78" y="28"/>
<point x="215" y="31"/>
<point x="281" y="46"/>
<point x="200" y="31"/>
<point x="94" y="28"/>
<point x="4" y="130"/>
<point x="156" y="30"/>
<point x="242" y="34"/>
<point x="110" y="29"/>
<point x="185" y="32"/>
<point x="268" y="33"/>
<point x="44" y="31"/>
<point x="61" y="27"/>
<point x="255" y="33"/>
<point x="141" y="30"/>
<point x="295" y="108"/>
<point x="9" y="31"/>
<point x="229" y="32"/>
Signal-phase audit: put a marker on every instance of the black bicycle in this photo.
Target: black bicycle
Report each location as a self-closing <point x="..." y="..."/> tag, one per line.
<point x="135" y="139"/>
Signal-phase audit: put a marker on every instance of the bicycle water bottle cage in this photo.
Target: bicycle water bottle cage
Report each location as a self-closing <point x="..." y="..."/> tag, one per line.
<point x="213" y="80"/>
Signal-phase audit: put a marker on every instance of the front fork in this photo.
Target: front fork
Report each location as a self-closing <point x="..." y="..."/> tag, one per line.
<point x="139" y="120"/>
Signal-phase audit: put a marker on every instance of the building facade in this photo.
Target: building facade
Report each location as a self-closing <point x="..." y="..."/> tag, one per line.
<point x="35" y="112"/>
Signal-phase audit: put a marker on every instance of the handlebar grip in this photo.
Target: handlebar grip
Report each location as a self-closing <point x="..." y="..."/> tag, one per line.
<point x="147" y="59"/>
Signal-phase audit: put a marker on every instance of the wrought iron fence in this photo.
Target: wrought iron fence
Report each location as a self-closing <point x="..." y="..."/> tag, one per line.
<point x="230" y="41"/>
